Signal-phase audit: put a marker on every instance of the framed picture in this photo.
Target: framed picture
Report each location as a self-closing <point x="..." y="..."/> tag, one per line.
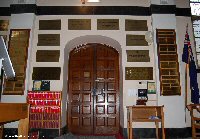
<point x="151" y="88"/>
<point x="37" y="85"/>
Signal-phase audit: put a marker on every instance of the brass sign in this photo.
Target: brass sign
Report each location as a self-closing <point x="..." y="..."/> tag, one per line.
<point x="47" y="55"/>
<point x="46" y="73"/>
<point x="136" y="25"/>
<point x="49" y="24"/>
<point x="79" y="24"/>
<point x="138" y="56"/>
<point x="139" y="73"/>
<point x="107" y="24"/>
<point x="18" y="46"/>
<point x="48" y="39"/>
<point x="4" y="25"/>
<point x="136" y="40"/>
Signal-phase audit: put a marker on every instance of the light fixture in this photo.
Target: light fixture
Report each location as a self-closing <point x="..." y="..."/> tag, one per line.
<point x="84" y="1"/>
<point x="93" y="0"/>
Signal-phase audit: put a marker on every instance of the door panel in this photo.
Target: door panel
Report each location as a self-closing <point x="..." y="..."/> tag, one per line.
<point x="93" y="99"/>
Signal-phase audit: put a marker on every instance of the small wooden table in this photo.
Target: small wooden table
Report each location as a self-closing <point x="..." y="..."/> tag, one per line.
<point x="10" y="112"/>
<point x="145" y="114"/>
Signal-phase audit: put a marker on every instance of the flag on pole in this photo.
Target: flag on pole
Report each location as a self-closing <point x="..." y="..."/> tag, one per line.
<point x="188" y="58"/>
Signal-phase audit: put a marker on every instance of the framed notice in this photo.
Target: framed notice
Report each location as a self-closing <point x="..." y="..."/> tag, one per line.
<point x="151" y="88"/>
<point x="37" y="85"/>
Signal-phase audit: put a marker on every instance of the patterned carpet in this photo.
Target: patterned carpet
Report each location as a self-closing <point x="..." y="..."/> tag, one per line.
<point x="71" y="136"/>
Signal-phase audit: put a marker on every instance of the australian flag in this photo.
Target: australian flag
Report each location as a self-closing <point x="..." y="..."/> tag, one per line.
<point x="188" y="58"/>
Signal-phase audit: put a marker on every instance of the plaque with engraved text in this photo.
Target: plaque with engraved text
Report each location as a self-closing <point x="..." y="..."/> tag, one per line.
<point x="48" y="40"/>
<point x="79" y="24"/>
<point x="139" y="73"/>
<point x="18" y="47"/>
<point x="107" y="24"/>
<point x="136" y="40"/>
<point x="49" y="24"/>
<point x="138" y="56"/>
<point x="136" y="25"/>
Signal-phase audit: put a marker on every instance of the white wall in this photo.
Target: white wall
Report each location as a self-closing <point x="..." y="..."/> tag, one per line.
<point x="93" y="35"/>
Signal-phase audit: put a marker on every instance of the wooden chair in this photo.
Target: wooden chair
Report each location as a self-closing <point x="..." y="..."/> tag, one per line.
<point x="195" y="119"/>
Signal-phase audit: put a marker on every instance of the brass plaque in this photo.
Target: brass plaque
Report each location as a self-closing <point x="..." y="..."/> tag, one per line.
<point x="50" y="25"/>
<point x="18" y="46"/>
<point x="136" y="25"/>
<point x="47" y="55"/>
<point x="107" y="24"/>
<point x="138" y="56"/>
<point x="48" y="40"/>
<point x="79" y="24"/>
<point x="4" y="25"/>
<point x="136" y="40"/>
<point x="139" y="73"/>
<point x="46" y="73"/>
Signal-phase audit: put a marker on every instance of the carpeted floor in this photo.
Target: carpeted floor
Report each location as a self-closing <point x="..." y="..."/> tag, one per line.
<point x="71" y="136"/>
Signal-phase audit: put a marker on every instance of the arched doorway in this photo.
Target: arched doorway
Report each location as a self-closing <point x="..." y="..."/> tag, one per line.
<point x="93" y="90"/>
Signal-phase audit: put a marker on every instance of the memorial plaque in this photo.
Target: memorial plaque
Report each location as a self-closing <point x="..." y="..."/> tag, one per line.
<point x="107" y="24"/>
<point x="136" y="40"/>
<point x="136" y="25"/>
<point x="47" y="55"/>
<point x="139" y="73"/>
<point x="18" y="46"/>
<point x="48" y="40"/>
<point x="79" y="24"/>
<point x="50" y="25"/>
<point x="4" y="25"/>
<point x="46" y="73"/>
<point x="138" y="56"/>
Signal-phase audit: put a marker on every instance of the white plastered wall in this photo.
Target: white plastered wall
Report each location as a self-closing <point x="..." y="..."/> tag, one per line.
<point x="72" y="38"/>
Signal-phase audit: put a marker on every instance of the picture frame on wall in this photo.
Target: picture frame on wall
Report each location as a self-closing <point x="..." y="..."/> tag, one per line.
<point x="37" y="85"/>
<point x="151" y="87"/>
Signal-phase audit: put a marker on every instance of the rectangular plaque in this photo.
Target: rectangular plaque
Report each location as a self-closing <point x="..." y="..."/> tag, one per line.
<point x="47" y="55"/>
<point x="48" y="39"/>
<point x="107" y="24"/>
<point x="18" y="46"/>
<point x="136" y="40"/>
<point x="139" y="73"/>
<point x="138" y="56"/>
<point x="136" y="25"/>
<point x="4" y="25"/>
<point x="79" y="24"/>
<point x="49" y="24"/>
<point x="46" y="73"/>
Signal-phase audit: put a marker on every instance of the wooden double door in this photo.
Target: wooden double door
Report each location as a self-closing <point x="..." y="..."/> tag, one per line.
<point x="93" y="95"/>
